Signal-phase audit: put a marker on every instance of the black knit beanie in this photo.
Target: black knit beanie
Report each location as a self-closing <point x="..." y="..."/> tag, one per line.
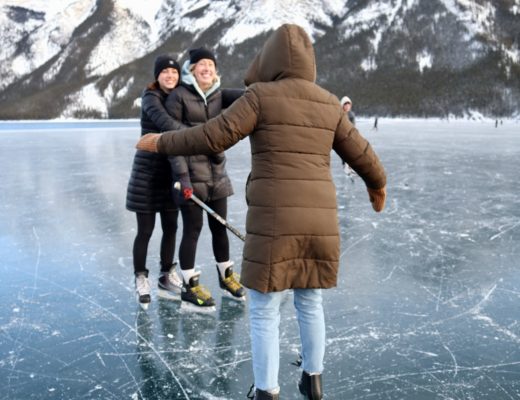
<point x="198" y="54"/>
<point x="163" y="62"/>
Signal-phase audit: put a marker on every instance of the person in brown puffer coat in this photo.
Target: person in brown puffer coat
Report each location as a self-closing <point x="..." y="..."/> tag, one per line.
<point x="292" y="239"/>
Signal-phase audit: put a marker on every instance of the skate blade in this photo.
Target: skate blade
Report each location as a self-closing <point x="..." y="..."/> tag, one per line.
<point x="165" y="294"/>
<point x="186" y="306"/>
<point x="144" y="306"/>
<point x="229" y="296"/>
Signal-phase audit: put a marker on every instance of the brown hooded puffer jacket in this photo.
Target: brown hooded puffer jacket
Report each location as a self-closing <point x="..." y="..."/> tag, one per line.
<point x="292" y="236"/>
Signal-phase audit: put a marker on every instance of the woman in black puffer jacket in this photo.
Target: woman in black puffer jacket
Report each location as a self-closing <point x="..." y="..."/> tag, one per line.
<point x="197" y="99"/>
<point x="150" y="186"/>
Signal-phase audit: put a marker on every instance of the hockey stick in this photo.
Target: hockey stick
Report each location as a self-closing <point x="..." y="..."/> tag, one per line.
<point x="210" y="211"/>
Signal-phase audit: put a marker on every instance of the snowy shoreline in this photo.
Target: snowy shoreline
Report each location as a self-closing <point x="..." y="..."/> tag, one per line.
<point x="358" y="117"/>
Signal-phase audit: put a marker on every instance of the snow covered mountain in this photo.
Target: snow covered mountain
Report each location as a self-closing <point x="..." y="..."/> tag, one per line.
<point x="92" y="58"/>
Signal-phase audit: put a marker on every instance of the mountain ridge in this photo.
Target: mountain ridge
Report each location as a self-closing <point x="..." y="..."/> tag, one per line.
<point x="91" y="59"/>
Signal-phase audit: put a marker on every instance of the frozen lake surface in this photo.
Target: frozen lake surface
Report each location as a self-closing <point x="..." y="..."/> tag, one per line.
<point x="427" y="306"/>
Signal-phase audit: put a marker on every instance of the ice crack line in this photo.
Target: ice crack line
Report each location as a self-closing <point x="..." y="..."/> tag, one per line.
<point x="109" y="342"/>
<point x="498" y="327"/>
<point x="389" y="276"/>
<point x="479" y="368"/>
<point x="131" y="328"/>
<point x="456" y="369"/>
<point x="354" y="244"/>
<point x="35" y="275"/>
<point x="37" y="265"/>
<point x="504" y="231"/>
<point x="475" y="310"/>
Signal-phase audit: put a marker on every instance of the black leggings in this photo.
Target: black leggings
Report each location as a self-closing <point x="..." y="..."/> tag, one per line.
<point x="145" y="226"/>
<point x="192" y="225"/>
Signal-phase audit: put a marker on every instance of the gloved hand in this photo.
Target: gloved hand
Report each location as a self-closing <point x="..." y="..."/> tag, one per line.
<point x="187" y="193"/>
<point x="377" y="198"/>
<point x="148" y="142"/>
<point x="185" y="190"/>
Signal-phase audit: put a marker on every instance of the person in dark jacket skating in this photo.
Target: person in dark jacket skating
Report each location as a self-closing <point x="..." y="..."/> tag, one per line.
<point x="150" y="187"/>
<point x="197" y="99"/>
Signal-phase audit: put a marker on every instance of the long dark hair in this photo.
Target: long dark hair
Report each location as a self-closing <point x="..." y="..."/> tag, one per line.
<point x="153" y="85"/>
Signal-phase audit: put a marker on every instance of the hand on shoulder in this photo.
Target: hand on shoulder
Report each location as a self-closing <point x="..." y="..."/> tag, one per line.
<point x="148" y="142"/>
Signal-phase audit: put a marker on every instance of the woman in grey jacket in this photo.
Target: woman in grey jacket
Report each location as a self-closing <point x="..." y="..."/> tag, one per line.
<point x="197" y="99"/>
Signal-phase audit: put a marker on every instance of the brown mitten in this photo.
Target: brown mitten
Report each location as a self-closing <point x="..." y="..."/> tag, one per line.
<point x="148" y="142"/>
<point x="377" y="198"/>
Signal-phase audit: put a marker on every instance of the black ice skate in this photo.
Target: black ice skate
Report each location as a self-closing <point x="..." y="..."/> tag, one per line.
<point x="230" y="284"/>
<point x="261" y="394"/>
<point x="310" y="386"/>
<point x="196" y="297"/>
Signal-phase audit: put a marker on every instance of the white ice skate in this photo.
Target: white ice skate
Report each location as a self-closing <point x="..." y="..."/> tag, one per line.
<point x="142" y="290"/>
<point x="170" y="285"/>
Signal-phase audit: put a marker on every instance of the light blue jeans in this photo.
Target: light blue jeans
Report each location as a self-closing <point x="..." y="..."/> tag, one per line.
<point x="264" y="321"/>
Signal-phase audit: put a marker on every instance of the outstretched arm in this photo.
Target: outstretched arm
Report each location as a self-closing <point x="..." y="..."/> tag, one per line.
<point x="216" y="135"/>
<point x="357" y="152"/>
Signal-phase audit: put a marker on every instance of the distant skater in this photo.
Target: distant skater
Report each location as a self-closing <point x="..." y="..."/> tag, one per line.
<point x="346" y="105"/>
<point x="292" y="239"/>
<point x="375" y="124"/>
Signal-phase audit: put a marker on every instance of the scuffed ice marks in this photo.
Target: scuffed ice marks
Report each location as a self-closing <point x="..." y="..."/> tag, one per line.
<point x="438" y="271"/>
<point x="427" y="354"/>
<point x="425" y="308"/>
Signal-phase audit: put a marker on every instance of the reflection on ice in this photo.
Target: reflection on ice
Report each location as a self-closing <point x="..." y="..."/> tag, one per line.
<point x="426" y="305"/>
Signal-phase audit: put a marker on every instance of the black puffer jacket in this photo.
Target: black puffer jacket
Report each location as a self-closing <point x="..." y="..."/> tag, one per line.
<point x="150" y="185"/>
<point x="207" y="174"/>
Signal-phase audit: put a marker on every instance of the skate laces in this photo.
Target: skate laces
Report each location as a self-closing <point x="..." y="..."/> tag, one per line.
<point x="232" y="282"/>
<point x="142" y="285"/>
<point x="201" y="292"/>
<point x="174" y="278"/>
